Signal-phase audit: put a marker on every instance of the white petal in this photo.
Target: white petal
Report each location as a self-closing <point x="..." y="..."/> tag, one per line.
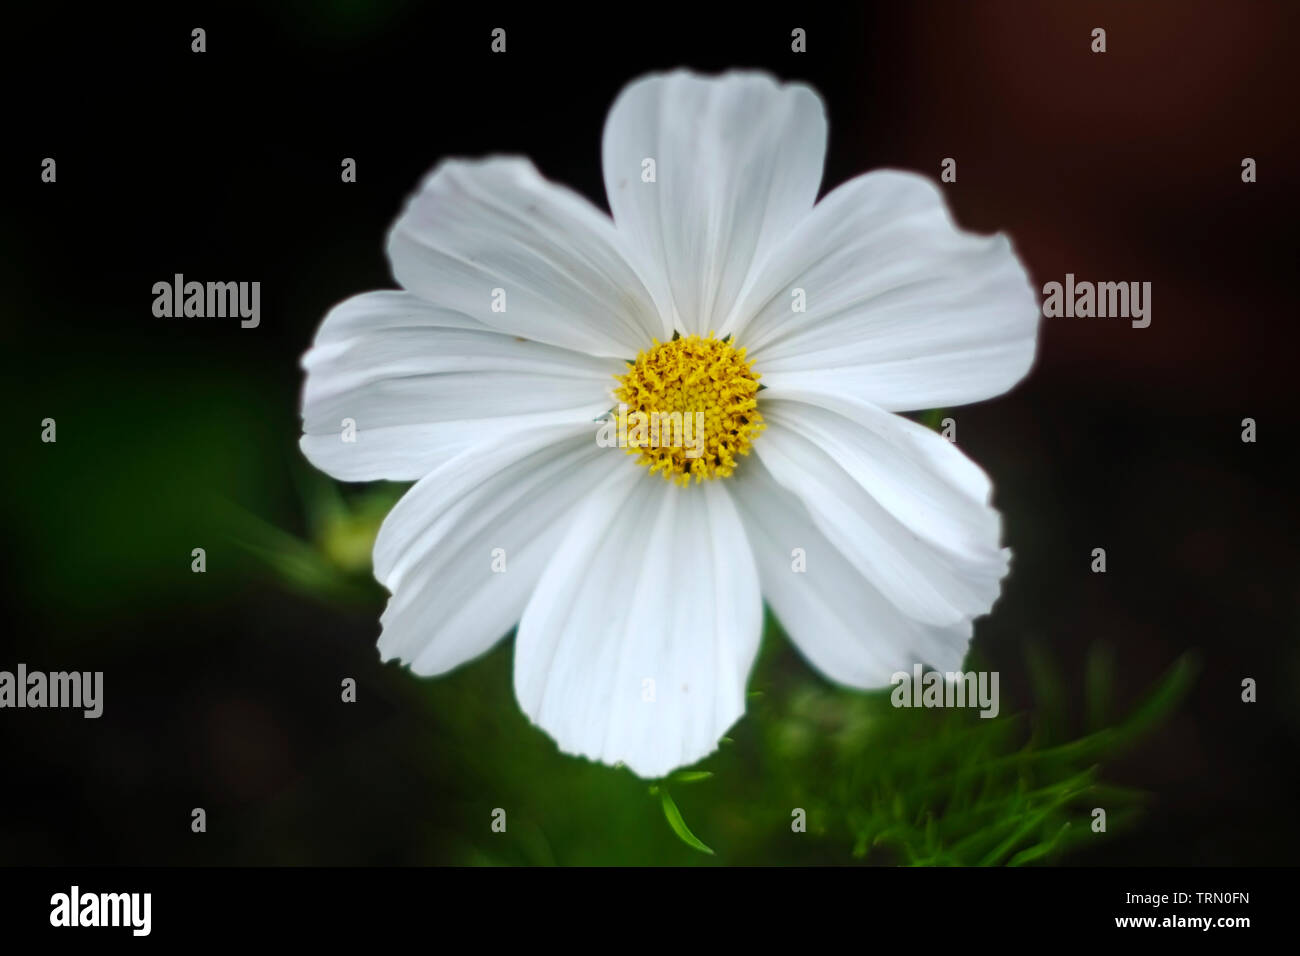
<point x="936" y="566"/>
<point x="495" y="224"/>
<point x="903" y="310"/>
<point x="738" y="160"/>
<point x="435" y="550"/>
<point x="421" y="384"/>
<point x="654" y="583"/>
<point x="919" y="477"/>
<point x="840" y="621"/>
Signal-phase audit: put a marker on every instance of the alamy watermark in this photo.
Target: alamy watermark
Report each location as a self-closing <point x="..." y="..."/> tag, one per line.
<point x="1086" y="300"/>
<point x="75" y="908"/>
<point x="82" y="690"/>
<point x="640" y="429"/>
<point x="208" y="300"/>
<point x="923" y="688"/>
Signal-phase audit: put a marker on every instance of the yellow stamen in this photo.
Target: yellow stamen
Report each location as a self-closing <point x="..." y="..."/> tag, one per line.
<point x="673" y="381"/>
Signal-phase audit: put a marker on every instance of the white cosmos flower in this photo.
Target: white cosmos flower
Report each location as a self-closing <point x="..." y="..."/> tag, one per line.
<point x="637" y="601"/>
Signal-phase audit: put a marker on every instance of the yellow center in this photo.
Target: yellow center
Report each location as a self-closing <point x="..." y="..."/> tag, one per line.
<point x="662" y="393"/>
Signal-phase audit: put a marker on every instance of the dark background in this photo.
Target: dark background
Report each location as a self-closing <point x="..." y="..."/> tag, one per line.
<point x="222" y="689"/>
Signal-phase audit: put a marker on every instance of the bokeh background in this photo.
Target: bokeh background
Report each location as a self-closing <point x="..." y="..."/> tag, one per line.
<point x="222" y="689"/>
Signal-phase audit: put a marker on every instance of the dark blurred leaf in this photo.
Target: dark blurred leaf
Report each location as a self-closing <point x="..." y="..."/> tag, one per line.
<point x="674" y="817"/>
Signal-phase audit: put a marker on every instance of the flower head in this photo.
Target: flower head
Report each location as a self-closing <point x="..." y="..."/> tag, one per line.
<point x="772" y="339"/>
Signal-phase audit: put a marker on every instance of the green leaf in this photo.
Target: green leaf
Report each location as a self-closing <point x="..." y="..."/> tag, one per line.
<point x="674" y="817"/>
<point x="691" y="776"/>
<point x="931" y="418"/>
<point x="1039" y="850"/>
<point x="1173" y="687"/>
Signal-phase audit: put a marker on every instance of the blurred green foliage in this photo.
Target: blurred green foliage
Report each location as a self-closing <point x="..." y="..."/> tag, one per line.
<point x="946" y="787"/>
